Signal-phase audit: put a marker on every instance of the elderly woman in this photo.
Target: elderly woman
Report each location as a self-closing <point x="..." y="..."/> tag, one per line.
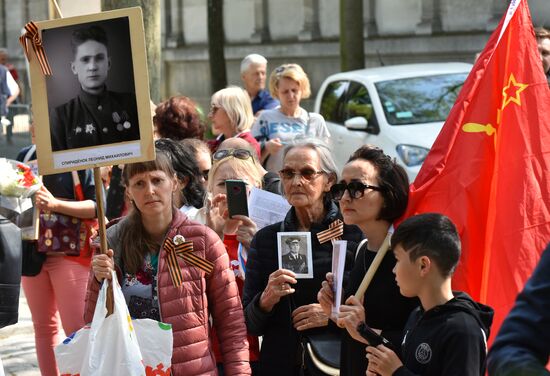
<point x="178" y="118"/>
<point x="277" y="305"/>
<point x="205" y="295"/>
<point x="231" y="116"/>
<point x="280" y="126"/>
<point x="373" y="193"/>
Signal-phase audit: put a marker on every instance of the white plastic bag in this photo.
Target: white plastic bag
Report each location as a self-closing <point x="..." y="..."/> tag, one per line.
<point x="155" y="341"/>
<point x="82" y="353"/>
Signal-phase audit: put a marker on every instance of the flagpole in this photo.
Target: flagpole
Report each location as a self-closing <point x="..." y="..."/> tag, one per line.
<point x="367" y="279"/>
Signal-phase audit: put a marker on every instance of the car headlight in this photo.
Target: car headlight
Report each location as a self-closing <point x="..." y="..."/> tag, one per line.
<point x="412" y="155"/>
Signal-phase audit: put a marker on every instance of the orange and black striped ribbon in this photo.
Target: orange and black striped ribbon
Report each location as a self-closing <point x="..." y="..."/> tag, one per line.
<point x="33" y="34"/>
<point x="183" y="250"/>
<point x="334" y="232"/>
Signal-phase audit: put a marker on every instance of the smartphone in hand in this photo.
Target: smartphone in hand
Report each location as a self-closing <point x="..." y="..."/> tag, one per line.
<point x="372" y="337"/>
<point x="237" y="201"/>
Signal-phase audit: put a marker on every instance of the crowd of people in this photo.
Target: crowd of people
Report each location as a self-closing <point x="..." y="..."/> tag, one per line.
<point x="239" y="312"/>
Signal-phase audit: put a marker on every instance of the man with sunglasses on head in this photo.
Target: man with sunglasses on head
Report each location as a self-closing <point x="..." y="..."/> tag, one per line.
<point x="240" y="148"/>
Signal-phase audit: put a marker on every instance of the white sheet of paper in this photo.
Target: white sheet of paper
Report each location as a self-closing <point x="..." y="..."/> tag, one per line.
<point x="339" y="248"/>
<point x="266" y="208"/>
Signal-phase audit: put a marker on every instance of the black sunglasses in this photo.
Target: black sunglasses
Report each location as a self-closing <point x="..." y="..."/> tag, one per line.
<point x="306" y="173"/>
<point x="356" y="189"/>
<point x="237" y="153"/>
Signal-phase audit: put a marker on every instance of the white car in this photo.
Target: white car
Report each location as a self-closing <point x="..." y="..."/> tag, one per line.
<point x="399" y="108"/>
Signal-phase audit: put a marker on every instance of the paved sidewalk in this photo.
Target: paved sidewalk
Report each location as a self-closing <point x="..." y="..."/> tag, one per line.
<point x="17" y="344"/>
<point x="17" y="349"/>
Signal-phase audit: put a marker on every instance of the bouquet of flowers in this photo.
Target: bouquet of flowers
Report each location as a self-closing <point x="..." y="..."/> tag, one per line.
<point x="17" y="179"/>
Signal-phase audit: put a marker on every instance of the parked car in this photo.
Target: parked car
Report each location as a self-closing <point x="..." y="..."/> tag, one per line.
<point x="399" y="108"/>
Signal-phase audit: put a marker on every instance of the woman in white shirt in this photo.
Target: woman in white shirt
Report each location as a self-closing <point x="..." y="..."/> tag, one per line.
<point x="288" y="122"/>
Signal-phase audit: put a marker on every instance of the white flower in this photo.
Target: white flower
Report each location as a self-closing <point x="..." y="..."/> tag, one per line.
<point x="16" y="179"/>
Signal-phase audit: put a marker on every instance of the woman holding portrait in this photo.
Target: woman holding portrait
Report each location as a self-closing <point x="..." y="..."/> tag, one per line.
<point x="277" y="305"/>
<point x="205" y="295"/>
<point x="56" y="295"/>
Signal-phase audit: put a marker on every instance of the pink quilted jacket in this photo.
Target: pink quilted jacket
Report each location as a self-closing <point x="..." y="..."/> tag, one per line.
<point x="188" y="307"/>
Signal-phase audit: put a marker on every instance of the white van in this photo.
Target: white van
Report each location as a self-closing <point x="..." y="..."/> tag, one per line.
<point x="399" y="108"/>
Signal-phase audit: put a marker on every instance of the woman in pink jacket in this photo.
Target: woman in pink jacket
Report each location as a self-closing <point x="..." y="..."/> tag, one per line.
<point x="139" y="245"/>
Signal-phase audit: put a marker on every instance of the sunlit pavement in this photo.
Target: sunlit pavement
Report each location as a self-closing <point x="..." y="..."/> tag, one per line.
<point x="17" y="349"/>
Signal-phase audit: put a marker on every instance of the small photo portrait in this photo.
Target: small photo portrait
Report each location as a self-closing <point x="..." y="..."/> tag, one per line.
<point x="294" y="251"/>
<point x="94" y="109"/>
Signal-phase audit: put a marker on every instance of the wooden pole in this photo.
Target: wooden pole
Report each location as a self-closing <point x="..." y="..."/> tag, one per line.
<point x="102" y="234"/>
<point x="57" y="9"/>
<point x="99" y="201"/>
<point x="367" y="279"/>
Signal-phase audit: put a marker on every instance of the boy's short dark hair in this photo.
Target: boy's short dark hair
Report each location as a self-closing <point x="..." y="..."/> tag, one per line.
<point x="433" y="235"/>
<point x="84" y="34"/>
<point x="392" y="179"/>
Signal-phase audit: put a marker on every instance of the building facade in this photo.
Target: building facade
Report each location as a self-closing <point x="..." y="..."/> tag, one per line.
<point x="301" y="31"/>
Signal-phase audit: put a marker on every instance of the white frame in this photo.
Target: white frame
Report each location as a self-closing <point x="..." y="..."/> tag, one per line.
<point x="305" y="240"/>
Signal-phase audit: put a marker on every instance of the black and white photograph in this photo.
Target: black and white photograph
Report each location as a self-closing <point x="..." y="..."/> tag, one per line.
<point x="294" y="251"/>
<point x="91" y="96"/>
<point x="94" y="109"/>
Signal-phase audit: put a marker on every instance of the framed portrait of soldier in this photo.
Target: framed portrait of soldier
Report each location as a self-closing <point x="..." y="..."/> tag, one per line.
<point x="294" y="252"/>
<point x="94" y="109"/>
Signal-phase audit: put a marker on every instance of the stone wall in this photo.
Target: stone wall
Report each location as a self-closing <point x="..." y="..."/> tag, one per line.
<point x="301" y="31"/>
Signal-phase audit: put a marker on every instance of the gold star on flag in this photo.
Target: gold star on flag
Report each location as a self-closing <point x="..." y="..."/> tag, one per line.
<point x="512" y="90"/>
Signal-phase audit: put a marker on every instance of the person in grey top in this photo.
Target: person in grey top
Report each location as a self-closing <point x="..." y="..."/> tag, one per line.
<point x="289" y="122"/>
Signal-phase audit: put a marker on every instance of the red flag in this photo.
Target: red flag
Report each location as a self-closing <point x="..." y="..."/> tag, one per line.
<point x="489" y="169"/>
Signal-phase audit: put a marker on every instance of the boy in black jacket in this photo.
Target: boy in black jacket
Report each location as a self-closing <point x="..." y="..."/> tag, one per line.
<point x="446" y="335"/>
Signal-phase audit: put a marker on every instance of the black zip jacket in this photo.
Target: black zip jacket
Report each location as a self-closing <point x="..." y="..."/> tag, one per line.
<point x="281" y="352"/>
<point x="449" y="339"/>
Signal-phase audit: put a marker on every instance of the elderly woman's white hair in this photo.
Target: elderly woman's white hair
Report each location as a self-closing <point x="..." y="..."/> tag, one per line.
<point x="327" y="163"/>
<point x="236" y="103"/>
<point x="250" y="60"/>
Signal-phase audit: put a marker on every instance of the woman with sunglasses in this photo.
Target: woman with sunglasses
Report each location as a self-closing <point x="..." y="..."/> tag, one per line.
<point x="288" y="122"/>
<point x="231" y="116"/>
<point x="373" y="193"/>
<point x="236" y="232"/>
<point x="278" y="306"/>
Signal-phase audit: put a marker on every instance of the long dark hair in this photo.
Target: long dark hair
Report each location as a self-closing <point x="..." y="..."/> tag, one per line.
<point x="135" y="241"/>
<point x="186" y="167"/>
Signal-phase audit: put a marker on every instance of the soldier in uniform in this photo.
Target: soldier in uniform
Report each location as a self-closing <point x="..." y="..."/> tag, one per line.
<point x="96" y="116"/>
<point x="294" y="260"/>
